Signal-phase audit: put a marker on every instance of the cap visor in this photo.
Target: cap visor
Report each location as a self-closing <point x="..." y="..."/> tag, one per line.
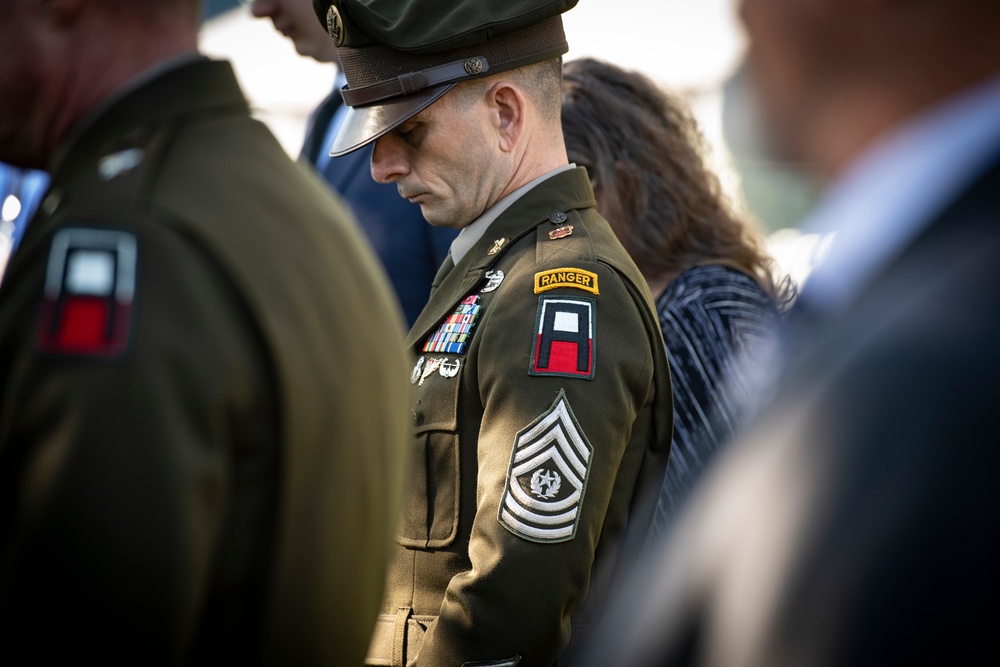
<point x="363" y="125"/>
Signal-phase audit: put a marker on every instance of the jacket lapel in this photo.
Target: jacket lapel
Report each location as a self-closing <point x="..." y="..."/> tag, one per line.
<point x="563" y="192"/>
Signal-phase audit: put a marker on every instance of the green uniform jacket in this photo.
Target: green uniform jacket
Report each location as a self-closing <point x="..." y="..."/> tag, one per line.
<point x="534" y="443"/>
<point x="203" y="398"/>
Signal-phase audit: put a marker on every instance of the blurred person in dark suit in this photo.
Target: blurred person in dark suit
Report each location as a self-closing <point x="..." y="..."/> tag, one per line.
<point x="855" y="522"/>
<point x="717" y="292"/>
<point x="202" y="384"/>
<point x="411" y="250"/>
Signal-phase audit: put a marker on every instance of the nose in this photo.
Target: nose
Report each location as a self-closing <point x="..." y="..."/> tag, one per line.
<point x="389" y="162"/>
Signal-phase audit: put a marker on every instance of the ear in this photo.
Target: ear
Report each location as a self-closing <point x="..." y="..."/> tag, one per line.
<point x="509" y="107"/>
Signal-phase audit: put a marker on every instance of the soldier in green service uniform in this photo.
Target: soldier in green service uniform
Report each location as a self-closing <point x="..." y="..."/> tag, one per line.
<point x="203" y="392"/>
<point x="543" y="407"/>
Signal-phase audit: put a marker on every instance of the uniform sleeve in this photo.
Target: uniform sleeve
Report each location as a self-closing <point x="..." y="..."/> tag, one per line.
<point x="562" y="376"/>
<point x="125" y="477"/>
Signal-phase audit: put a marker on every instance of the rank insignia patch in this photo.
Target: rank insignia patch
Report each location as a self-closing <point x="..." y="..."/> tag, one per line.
<point x="565" y="333"/>
<point x="547" y="477"/>
<point x="566" y="277"/>
<point x="89" y="289"/>
<point x="454" y="334"/>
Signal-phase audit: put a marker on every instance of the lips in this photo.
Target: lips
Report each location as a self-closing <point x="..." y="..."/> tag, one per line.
<point x="412" y="196"/>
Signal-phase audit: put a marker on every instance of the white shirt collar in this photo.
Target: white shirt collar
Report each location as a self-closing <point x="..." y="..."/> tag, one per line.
<point x="897" y="188"/>
<point x="471" y="234"/>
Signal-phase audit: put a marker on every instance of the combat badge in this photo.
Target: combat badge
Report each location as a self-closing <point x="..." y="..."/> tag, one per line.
<point x="566" y="277"/>
<point x="565" y="337"/>
<point x="454" y="334"/>
<point x="547" y="477"/>
<point x="89" y="289"/>
<point x="449" y="368"/>
<point x="495" y="279"/>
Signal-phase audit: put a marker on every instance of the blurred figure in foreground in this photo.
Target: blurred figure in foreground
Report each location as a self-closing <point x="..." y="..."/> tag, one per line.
<point x="411" y="250"/>
<point x="717" y="293"/>
<point x="856" y="522"/>
<point x="202" y="427"/>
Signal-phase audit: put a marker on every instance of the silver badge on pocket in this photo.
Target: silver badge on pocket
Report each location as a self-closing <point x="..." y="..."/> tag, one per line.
<point x="415" y="375"/>
<point x="449" y="367"/>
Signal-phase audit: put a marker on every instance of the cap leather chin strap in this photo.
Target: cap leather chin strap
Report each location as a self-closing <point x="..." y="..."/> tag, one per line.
<point x="413" y="82"/>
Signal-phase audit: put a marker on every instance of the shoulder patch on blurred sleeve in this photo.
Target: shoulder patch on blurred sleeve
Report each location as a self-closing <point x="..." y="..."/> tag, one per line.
<point x="90" y="284"/>
<point x="565" y="341"/>
<point x="547" y="477"/>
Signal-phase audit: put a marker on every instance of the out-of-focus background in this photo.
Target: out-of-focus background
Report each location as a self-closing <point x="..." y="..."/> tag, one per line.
<point x="694" y="47"/>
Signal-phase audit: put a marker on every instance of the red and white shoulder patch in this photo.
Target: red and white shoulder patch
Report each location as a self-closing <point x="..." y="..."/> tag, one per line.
<point x="89" y="289"/>
<point x="565" y="337"/>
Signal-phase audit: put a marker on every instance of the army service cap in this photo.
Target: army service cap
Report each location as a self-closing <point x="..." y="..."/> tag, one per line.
<point x="399" y="56"/>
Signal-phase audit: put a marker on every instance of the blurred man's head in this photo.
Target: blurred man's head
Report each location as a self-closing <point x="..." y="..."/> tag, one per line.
<point x="296" y="20"/>
<point x="61" y="58"/>
<point x="834" y="75"/>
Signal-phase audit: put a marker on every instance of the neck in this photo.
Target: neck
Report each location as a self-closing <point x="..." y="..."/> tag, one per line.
<point x="536" y="156"/>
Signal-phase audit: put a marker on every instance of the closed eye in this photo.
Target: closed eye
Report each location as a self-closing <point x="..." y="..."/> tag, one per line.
<point x="411" y="133"/>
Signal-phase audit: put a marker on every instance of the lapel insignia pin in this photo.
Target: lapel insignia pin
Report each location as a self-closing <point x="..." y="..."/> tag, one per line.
<point x="497" y="245"/>
<point x="557" y="218"/>
<point x="561" y="232"/>
<point x="495" y="278"/>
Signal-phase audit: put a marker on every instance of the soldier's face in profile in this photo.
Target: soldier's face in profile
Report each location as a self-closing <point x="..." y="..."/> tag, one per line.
<point x="443" y="159"/>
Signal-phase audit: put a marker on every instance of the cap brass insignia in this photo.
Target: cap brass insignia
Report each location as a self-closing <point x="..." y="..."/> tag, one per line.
<point x="473" y="66"/>
<point x="334" y="25"/>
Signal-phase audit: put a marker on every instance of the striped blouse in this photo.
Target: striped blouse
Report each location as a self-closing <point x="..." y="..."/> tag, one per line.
<point x="715" y="320"/>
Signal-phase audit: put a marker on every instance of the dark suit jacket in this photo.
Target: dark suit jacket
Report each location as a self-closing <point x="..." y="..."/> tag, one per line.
<point x="856" y="523"/>
<point x="410" y="249"/>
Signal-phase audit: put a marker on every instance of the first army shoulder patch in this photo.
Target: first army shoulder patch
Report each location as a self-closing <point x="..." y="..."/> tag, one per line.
<point x="565" y="337"/>
<point x="547" y="477"/>
<point x="89" y="289"/>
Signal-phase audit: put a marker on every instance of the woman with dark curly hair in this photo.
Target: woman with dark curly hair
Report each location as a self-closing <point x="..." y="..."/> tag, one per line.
<point x="717" y="292"/>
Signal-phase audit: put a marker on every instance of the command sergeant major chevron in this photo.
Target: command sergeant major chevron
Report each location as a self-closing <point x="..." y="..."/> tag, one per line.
<point x="536" y="429"/>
